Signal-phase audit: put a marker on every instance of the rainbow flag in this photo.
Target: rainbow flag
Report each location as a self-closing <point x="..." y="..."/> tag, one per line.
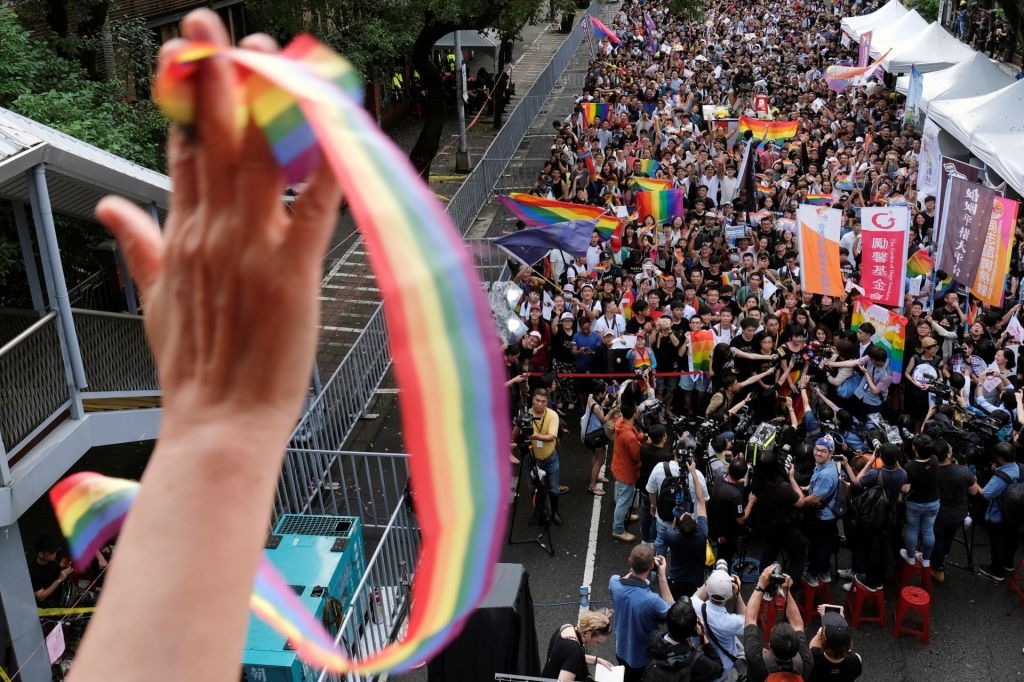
<point x="920" y="264"/>
<point x="662" y="206"/>
<point x="839" y="76"/>
<point x="593" y="111"/>
<point x="730" y="279"/>
<point x="648" y="166"/>
<point x="890" y="332"/>
<point x="307" y="102"/>
<point x="602" y="31"/>
<point x="587" y="157"/>
<point x="868" y="139"/>
<point x="642" y="184"/>
<point x="537" y="211"/>
<point x="627" y="305"/>
<point x="818" y="199"/>
<point x="764" y="190"/>
<point x="701" y="344"/>
<point x="844" y="181"/>
<point x="769" y="130"/>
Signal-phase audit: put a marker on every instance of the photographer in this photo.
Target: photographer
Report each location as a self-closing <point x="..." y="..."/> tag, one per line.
<point x="543" y="455"/>
<point x="821" y="494"/>
<point x="830" y="647"/>
<point x="956" y="483"/>
<point x="652" y="455"/>
<point x="723" y="627"/>
<point x="727" y="511"/>
<point x="775" y="498"/>
<point x="672" y="657"/>
<point x="686" y="540"/>
<point x="787" y="648"/>
<point x="1001" y="529"/>
<point x="638" y="609"/>
<point x="876" y="525"/>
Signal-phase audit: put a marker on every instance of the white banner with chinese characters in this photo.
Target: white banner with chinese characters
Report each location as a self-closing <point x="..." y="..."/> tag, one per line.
<point x="884" y="235"/>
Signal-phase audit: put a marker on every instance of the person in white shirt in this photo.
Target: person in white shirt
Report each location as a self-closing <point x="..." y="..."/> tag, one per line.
<point x="612" y="320"/>
<point x="722" y="627"/>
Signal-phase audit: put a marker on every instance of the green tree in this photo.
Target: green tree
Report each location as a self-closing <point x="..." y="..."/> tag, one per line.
<point x="377" y="36"/>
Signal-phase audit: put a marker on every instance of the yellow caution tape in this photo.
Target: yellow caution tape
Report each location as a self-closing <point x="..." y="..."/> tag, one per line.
<point x="67" y="612"/>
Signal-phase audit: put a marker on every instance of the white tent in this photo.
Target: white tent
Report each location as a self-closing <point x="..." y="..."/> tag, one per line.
<point x="991" y="126"/>
<point x="979" y="75"/>
<point x="932" y="50"/>
<point x="898" y="33"/>
<point x="855" y="27"/>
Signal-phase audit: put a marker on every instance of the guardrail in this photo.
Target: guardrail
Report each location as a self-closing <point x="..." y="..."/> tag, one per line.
<point x="382" y="599"/>
<point x="115" y="354"/>
<point x="34" y="387"/>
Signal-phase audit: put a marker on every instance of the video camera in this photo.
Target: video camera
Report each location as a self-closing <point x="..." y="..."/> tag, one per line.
<point x="776" y="580"/>
<point x="943" y="392"/>
<point x="652" y="413"/>
<point x="524" y="422"/>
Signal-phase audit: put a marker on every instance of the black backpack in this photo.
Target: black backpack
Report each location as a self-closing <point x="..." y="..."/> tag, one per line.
<point x="872" y="507"/>
<point x="1011" y="502"/>
<point x="668" y="663"/>
<point x="674" y="492"/>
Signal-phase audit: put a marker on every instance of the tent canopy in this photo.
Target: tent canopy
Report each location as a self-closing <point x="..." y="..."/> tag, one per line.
<point x="471" y="40"/>
<point x="896" y="34"/>
<point x="855" y="27"/>
<point x="932" y="50"/>
<point x="979" y="75"/>
<point x="991" y="126"/>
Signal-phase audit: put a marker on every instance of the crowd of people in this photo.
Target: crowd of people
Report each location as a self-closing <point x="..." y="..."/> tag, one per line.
<point x="798" y="439"/>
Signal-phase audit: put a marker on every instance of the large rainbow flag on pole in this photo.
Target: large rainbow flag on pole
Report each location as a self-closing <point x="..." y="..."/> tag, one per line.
<point x="920" y="264"/>
<point x="593" y="111"/>
<point x="306" y="100"/>
<point x="769" y="130"/>
<point x="663" y="205"/>
<point x="537" y="211"/>
<point x="602" y="31"/>
<point x="890" y="332"/>
<point x="702" y="343"/>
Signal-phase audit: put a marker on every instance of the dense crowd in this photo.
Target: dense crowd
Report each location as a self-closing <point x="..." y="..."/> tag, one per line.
<point x="798" y="439"/>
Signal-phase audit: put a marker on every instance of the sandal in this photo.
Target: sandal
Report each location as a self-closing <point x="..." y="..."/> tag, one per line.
<point x="602" y="479"/>
<point x="595" y="491"/>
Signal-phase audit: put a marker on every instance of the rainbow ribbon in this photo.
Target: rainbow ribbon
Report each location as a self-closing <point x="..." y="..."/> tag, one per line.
<point x="447" y="358"/>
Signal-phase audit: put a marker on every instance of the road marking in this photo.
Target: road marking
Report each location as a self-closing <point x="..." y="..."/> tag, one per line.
<point x="595" y="520"/>
<point x="360" y="275"/>
<point x="360" y="301"/>
<point x="340" y="262"/>
<point x="345" y="286"/>
<point x="330" y="328"/>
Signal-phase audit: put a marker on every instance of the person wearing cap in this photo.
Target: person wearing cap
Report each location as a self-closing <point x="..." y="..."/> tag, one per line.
<point x="723" y="627"/>
<point x="831" y="650"/>
<point x="924" y="367"/>
<point x="588" y="305"/>
<point x="821" y="494"/>
<point x="787" y="648"/>
<point x="45" y="572"/>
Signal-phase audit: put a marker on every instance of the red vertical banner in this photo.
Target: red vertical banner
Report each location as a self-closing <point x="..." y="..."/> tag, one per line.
<point x="884" y="234"/>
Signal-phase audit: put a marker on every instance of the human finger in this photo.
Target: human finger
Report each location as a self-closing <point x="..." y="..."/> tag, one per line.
<point x="138" y="237"/>
<point x="315" y="214"/>
<point x="216" y="129"/>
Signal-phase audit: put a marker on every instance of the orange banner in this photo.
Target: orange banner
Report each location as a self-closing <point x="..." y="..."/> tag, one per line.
<point x="818" y="235"/>
<point x="990" y="280"/>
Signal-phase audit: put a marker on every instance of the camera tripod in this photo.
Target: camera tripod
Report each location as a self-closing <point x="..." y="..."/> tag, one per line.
<point x="541" y="518"/>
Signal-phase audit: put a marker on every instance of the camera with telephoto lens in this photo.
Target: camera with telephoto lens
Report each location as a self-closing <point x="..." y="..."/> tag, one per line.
<point x="651" y="415"/>
<point x="943" y="392"/>
<point x="776" y="580"/>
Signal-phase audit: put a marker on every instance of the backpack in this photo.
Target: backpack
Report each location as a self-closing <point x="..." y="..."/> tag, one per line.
<point x="872" y="508"/>
<point x="667" y="663"/>
<point x="777" y="674"/>
<point x="1011" y="502"/>
<point x="674" y="492"/>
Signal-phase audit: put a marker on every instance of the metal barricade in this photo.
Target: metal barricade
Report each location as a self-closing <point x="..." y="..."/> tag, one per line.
<point x="115" y="354"/>
<point x="34" y="387"/>
<point x="378" y="614"/>
<point x="363" y="484"/>
<point x="490" y="261"/>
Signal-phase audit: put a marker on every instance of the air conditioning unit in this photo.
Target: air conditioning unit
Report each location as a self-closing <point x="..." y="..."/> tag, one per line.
<point x="323" y="559"/>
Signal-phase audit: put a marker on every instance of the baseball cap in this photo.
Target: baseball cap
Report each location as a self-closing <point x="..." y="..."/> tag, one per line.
<point x="837" y="631"/>
<point x="928" y="342"/>
<point x="607" y="332"/>
<point x="585" y="285"/>
<point x="566" y="316"/>
<point x="535" y="334"/>
<point x="568" y="288"/>
<point x="719" y="585"/>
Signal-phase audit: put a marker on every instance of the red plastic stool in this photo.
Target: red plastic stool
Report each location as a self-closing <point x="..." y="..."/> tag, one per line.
<point x="855" y="606"/>
<point x="917" y="571"/>
<point x="1014" y="583"/>
<point x="770" y="609"/>
<point x="912" y="600"/>
<point x="812" y="596"/>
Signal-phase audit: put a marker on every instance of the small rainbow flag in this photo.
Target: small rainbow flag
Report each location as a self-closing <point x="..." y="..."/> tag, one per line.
<point x="537" y="211"/>
<point x="890" y="332"/>
<point x="868" y="139"/>
<point x="769" y="130"/>
<point x="593" y="111"/>
<point x="730" y="279"/>
<point x="844" y="181"/>
<point x="701" y="345"/>
<point x="627" y="305"/>
<point x="602" y="31"/>
<point x="648" y="166"/>
<point x="642" y="184"/>
<point x="764" y="190"/>
<point x="662" y="205"/>
<point x="920" y="264"/>
<point x="818" y="199"/>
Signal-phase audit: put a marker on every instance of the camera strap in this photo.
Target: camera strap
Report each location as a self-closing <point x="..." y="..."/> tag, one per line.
<point x="711" y="633"/>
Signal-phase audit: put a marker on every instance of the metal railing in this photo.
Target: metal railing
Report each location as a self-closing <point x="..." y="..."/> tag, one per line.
<point x="34" y="388"/>
<point x="364" y="484"/>
<point x="99" y="291"/>
<point x="14" y="321"/>
<point x="380" y="606"/>
<point x="490" y="261"/>
<point x="115" y="353"/>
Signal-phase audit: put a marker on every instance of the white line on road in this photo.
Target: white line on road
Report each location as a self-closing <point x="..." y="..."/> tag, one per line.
<point x="345" y="286"/>
<point x="595" y="521"/>
<point x="360" y="301"/>
<point x="340" y="262"/>
<point x="329" y="328"/>
<point x="360" y="275"/>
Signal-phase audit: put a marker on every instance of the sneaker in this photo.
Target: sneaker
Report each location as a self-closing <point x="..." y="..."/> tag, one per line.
<point x="624" y="537"/>
<point x="864" y="586"/>
<point x="810" y="580"/>
<point x="991" y="574"/>
<point x="633" y="518"/>
<point x="909" y="559"/>
<point x="825" y="578"/>
<point x="556" y="518"/>
<point x="926" y="563"/>
<point x="847" y="574"/>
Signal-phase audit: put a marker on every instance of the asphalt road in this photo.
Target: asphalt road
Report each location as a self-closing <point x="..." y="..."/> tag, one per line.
<point x="976" y="626"/>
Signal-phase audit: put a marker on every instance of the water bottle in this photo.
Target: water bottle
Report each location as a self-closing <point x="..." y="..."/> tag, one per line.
<point x="584" y="596"/>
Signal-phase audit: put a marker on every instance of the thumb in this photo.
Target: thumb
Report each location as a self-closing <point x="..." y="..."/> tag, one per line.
<point x="138" y="237"/>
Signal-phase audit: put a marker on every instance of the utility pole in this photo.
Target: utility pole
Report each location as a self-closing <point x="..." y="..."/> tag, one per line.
<point x="462" y="155"/>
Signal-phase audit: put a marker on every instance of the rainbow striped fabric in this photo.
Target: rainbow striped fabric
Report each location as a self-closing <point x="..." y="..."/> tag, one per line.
<point x="920" y="263"/>
<point x="647" y="166"/>
<point x="890" y="332"/>
<point x="642" y="184"/>
<point x="602" y="31"/>
<point x="306" y="101"/>
<point x="764" y="190"/>
<point x="537" y="211"/>
<point x="769" y="130"/>
<point x="845" y="182"/>
<point x="593" y="111"/>
<point x="818" y="199"/>
<point x="663" y="205"/>
<point x="702" y="343"/>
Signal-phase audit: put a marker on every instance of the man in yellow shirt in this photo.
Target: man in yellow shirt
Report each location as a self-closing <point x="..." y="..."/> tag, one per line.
<point x="542" y="449"/>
